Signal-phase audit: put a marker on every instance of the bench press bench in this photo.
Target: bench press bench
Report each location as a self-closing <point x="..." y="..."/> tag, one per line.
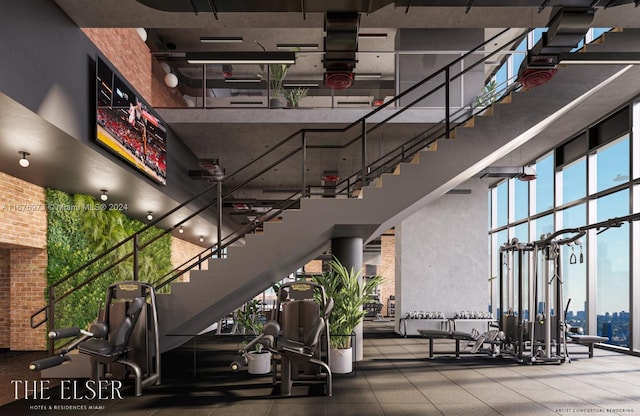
<point x="458" y="336"/>
<point x="588" y="340"/>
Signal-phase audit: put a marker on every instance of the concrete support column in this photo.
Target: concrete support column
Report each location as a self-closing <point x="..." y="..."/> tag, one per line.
<point x="348" y="250"/>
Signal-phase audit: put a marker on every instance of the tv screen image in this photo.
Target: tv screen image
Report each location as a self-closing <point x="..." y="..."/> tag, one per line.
<point x="127" y="125"/>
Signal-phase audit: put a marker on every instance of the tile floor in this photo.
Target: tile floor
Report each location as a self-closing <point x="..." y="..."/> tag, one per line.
<point x="395" y="378"/>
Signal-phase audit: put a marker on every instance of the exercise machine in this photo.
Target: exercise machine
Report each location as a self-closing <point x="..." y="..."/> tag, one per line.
<point x="297" y="336"/>
<point x="123" y="342"/>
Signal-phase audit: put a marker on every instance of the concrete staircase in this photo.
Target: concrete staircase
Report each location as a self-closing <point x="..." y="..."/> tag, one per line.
<point x="305" y="233"/>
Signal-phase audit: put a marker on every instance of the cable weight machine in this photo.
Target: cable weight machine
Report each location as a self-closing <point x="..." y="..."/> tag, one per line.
<point x="538" y="337"/>
<point x="542" y="337"/>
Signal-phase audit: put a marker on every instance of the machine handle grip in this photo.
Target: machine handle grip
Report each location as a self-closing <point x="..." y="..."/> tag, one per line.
<point x="73" y="331"/>
<point x="238" y="363"/>
<point x="47" y="362"/>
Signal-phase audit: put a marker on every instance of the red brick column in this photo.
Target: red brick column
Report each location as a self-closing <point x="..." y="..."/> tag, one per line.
<point x="387" y="269"/>
<point x="5" y="324"/>
<point x="313" y="267"/>
<point x="182" y="251"/>
<point x="28" y="285"/>
<point x="23" y="262"/>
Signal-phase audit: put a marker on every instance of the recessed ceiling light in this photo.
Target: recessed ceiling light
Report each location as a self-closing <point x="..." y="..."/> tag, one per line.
<point x="363" y="75"/>
<point x="246" y="102"/>
<point x="301" y="46"/>
<point x="373" y="35"/>
<point x="221" y="39"/>
<point x="265" y="58"/>
<point x="243" y="80"/>
<point x="300" y="84"/>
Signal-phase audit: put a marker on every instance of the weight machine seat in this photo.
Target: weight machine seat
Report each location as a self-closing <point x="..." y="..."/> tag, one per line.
<point x="304" y="352"/>
<point x="107" y="351"/>
<point x="311" y="341"/>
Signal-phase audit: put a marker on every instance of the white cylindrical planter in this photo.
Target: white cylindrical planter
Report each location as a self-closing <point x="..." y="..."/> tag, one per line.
<point x="341" y="360"/>
<point x="259" y="362"/>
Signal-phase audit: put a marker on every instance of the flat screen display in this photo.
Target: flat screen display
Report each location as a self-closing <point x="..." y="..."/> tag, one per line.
<point x="128" y="126"/>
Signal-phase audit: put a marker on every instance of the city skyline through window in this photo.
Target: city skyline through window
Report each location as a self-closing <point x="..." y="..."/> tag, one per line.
<point x="589" y="189"/>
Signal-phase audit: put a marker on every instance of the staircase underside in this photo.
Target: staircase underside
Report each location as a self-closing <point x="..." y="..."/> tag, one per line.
<point x="531" y="124"/>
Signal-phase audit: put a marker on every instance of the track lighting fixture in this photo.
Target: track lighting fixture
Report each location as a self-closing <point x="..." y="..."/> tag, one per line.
<point x="201" y="239"/>
<point x="103" y="195"/>
<point x="181" y="230"/>
<point x="149" y="215"/>
<point x="24" y="162"/>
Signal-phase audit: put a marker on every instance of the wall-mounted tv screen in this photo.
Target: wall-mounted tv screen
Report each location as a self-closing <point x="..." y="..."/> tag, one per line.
<point x="128" y="126"/>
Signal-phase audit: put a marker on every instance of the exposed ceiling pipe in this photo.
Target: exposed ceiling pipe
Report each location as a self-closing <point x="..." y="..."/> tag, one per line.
<point x="340" y="48"/>
<point x="567" y="28"/>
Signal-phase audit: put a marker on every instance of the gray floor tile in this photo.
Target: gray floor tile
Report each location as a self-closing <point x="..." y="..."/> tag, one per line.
<point x="466" y="409"/>
<point x="360" y="409"/>
<point x="395" y="379"/>
<point x="409" y="409"/>
<point x="523" y="409"/>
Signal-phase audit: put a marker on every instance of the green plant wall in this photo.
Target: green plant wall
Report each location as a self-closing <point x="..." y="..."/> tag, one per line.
<point x="78" y="229"/>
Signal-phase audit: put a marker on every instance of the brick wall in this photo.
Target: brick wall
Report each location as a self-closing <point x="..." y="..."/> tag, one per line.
<point x="181" y="251"/>
<point x="4" y="298"/>
<point x="28" y="283"/>
<point x="314" y="266"/>
<point x="23" y="262"/>
<point x="130" y="55"/>
<point x="387" y="269"/>
<point x="23" y="218"/>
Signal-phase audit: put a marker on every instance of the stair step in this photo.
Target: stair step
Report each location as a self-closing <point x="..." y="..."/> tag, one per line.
<point x="433" y="147"/>
<point x="507" y="99"/>
<point x="470" y="123"/>
<point x="487" y="112"/>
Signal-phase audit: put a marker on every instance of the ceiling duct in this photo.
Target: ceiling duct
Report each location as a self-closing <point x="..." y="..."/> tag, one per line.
<point x="524" y="173"/>
<point x="567" y="28"/>
<point x="340" y="48"/>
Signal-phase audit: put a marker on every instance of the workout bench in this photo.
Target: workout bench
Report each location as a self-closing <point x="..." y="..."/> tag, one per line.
<point x="457" y="336"/>
<point x="588" y="340"/>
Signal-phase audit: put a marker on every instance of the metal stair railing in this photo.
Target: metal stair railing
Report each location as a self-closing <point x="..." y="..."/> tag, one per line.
<point x="295" y="144"/>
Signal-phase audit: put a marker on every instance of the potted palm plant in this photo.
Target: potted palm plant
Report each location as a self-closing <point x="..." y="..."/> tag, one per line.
<point x="277" y="73"/>
<point x="349" y="295"/>
<point x="259" y="360"/>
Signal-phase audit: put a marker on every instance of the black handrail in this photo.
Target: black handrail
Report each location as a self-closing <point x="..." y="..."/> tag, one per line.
<point x="221" y="196"/>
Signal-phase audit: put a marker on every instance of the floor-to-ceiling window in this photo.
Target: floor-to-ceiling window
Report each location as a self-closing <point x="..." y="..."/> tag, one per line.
<point x="586" y="180"/>
<point x="611" y="164"/>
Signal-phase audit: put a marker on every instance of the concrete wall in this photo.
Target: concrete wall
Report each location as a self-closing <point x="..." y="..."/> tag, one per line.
<point x="441" y="255"/>
<point x="415" y="67"/>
